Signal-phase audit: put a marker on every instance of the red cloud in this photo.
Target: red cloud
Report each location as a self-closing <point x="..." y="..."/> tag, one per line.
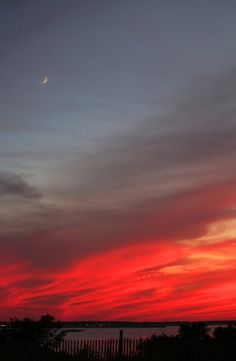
<point x="163" y="265"/>
<point x="146" y="282"/>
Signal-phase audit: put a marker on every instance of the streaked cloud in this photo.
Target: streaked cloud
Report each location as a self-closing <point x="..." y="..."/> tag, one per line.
<point x="117" y="181"/>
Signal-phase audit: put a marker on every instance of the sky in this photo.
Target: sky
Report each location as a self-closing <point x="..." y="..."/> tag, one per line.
<point x="117" y="176"/>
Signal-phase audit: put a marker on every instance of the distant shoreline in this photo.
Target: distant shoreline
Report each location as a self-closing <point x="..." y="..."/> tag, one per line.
<point x="126" y="324"/>
<point x="73" y="330"/>
<point x="74" y="325"/>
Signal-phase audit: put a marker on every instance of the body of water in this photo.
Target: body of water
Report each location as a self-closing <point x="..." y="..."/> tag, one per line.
<point x="112" y="333"/>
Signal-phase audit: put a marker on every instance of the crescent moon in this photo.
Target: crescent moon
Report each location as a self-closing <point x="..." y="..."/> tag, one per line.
<point x="45" y="80"/>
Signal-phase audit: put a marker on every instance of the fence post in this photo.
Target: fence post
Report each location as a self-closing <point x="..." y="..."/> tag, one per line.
<point x="120" y="346"/>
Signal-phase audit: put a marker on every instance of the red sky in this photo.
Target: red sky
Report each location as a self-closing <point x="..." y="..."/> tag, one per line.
<point x="174" y="277"/>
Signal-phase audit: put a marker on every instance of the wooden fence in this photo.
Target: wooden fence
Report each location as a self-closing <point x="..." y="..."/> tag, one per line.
<point x="102" y="350"/>
<point x="170" y="349"/>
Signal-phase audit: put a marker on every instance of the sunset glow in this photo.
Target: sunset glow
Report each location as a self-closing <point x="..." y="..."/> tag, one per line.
<point x="168" y="281"/>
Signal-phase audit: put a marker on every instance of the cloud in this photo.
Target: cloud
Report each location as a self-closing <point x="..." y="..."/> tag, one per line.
<point x="158" y="190"/>
<point x="159" y="182"/>
<point x="176" y="285"/>
<point x="15" y="185"/>
<point x="176" y="150"/>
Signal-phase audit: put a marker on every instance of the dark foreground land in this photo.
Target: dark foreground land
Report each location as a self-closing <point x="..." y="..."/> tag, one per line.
<point x="108" y="350"/>
<point x="28" y="340"/>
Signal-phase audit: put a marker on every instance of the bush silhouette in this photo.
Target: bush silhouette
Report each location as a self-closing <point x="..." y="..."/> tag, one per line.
<point x="44" y="331"/>
<point x="225" y="333"/>
<point x="194" y="330"/>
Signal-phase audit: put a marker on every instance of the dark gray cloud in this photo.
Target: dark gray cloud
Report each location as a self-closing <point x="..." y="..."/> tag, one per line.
<point x="15" y="185"/>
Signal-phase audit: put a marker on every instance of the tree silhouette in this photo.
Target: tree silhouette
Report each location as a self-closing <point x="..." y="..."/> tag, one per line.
<point x="225" y="333"/>
<point x="45" y="331"/>
<point x="194" y="330"/>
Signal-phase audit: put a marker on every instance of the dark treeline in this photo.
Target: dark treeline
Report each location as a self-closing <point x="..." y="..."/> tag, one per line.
<point x="43" y="340"/>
